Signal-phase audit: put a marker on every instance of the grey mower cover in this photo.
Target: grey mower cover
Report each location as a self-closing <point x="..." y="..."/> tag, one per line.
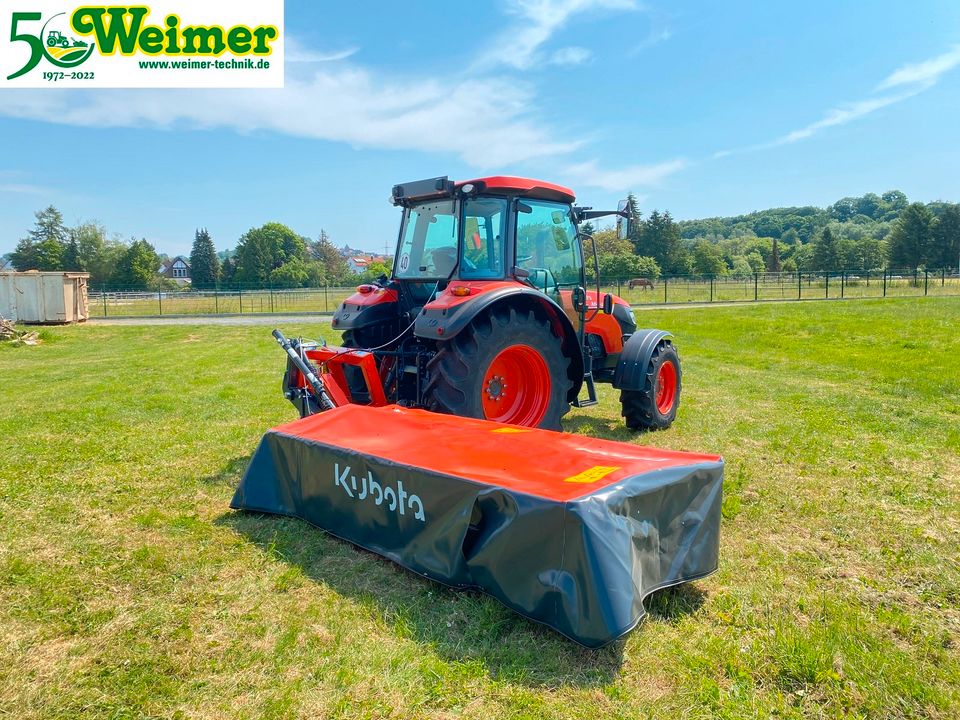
<point x="570" y="531"/>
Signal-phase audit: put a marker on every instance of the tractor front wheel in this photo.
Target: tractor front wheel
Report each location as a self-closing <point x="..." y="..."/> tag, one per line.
<point x="655" y="407"/>
<point x="507" y="367"/>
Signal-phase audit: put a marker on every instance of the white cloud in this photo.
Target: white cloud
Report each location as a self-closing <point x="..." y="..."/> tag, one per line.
<point x="296" y="52"/>
<point x="21" y="188"/>
<point x="339" y="104"/>
<point x="926" y="72"/>
<point x="537" y="21"/>
<point x="654" y="38"/>
<point x="916" y="77"/>
<point x="590" y="174"/>
<point x="842" y="115"/>
<point x="570" y="56"/>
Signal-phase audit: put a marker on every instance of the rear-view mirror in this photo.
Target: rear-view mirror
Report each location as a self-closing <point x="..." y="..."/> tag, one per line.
<point x="623" y="220"/>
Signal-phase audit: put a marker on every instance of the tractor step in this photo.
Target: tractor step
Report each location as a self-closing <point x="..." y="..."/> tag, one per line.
<point x="571" y="531"/>
<point x="591" y="391"/>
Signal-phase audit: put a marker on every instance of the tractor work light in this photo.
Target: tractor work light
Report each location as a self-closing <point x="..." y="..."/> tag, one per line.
<point x="460" y="291"/>
<point x="366" y="289"/>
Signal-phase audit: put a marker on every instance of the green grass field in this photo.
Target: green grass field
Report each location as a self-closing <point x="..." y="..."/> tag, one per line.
<point x="128" y="589"/>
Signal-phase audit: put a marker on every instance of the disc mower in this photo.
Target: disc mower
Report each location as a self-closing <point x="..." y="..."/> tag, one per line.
<point x="428" y="435"/>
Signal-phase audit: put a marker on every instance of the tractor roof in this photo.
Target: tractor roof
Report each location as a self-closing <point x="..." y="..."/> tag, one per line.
<point x="527" y="187"/>
<point x="442" y="187"/>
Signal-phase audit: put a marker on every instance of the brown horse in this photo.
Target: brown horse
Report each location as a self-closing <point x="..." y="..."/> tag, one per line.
<point x="642" y="283"/>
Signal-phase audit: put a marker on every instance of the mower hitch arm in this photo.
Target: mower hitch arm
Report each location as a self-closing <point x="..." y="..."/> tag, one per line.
<point x="315" y="383"/>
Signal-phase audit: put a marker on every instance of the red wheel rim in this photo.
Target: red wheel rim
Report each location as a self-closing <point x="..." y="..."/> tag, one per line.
<point x="666" y="387"/>
<point x="516" y="387"/>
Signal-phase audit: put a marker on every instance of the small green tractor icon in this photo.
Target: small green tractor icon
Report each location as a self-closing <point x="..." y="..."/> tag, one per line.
<point x="58" y="38"/>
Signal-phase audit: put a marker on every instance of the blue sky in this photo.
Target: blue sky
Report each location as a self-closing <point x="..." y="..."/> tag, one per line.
<point x="700" y="108"/>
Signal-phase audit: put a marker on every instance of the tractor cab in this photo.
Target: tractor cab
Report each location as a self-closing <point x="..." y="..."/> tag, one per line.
<point x="486" y="231"/>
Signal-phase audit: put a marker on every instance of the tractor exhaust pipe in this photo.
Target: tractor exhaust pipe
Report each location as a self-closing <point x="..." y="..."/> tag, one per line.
<point x="307" y="370"/>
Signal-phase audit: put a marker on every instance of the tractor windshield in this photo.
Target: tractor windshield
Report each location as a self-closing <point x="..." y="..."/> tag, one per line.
<point x="428" y="241"/>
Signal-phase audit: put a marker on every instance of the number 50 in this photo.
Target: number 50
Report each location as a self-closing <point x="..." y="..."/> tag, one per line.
<point x="36" y="46"/>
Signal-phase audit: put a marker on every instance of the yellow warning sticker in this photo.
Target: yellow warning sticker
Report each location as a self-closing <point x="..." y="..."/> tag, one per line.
<point x="511" y="430"/>
<point x="591" y="475"/>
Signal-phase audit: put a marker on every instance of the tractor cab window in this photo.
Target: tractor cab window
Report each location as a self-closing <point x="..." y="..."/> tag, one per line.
<point x="428" y="242"/>
<point x="483" y="231"/>
<point x="547" y="246"/>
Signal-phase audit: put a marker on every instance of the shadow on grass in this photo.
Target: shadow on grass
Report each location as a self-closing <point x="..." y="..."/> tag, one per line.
<point x="230" y="473"/>
<point x="461" y="626"/>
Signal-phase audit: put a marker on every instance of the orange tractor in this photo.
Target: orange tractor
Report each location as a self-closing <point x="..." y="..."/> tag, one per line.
<point x="487" y="315"/>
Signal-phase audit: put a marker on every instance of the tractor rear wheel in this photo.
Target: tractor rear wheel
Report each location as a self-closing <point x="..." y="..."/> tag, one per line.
<point x="655" y="407"/>
<point x="507" y="366"/>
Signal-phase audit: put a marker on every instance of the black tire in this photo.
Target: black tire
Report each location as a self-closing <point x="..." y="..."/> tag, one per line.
<point x="458" y="371"/>
<point x="639" y="408"/>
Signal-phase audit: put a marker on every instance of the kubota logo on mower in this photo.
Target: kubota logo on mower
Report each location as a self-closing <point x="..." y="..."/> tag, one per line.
<point x="367" y="488"/>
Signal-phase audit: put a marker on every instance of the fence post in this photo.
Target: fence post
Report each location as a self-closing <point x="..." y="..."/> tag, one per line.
<point x="619" y="291"/>
<point x="326" y="304"/>
<point x="271" y="297"/>
<point x="843" y="282"/>
<point x="711" y="288"/>
<point x="664" y="290"/>
<point x="799" y="285"/>
<point x="826" y="285"/>
<point x="240" y="291"/>
<point x="926" y="281"/>
<point x="756" y="286"/>
<point x="160" y="301"/>
<point x="103" y="293"/>
<point x="884" y="282"/>
<point x="216" y="302"/>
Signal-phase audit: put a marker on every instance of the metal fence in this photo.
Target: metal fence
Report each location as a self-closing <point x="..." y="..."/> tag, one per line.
<point x="759" y="287"/>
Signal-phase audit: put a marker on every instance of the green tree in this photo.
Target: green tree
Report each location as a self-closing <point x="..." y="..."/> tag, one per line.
<point x="204" y="263"/>
<point x="24" y="256"/>
<point x="708" y="259"/>
<point x="773" y="262"/>
<point x="375" y="270"/>
<point x="946" y="239"/>
<point x="49" y="254"/>
<point x="262" y="250"/>
<point x="95" y="253"/>
<point x="756" y="261"/>
<point x="137" y="267"/>
<point x="49" y="225"/>
<point x="911" y="241"/>
<point x="624" y="266"/>
<point x="609" y="243"/>
<point x="45" y="244"/>
<point x="71" y="255"/>
<point x="323" y="251"/>
<point x="790" y="237"/>
<point x="660" y="239"/>
<point x="826" y="255"/>
<point x="741" y="267"/>
<point x="291" y="274"/>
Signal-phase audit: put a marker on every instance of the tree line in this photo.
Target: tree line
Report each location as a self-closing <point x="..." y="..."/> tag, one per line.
<point x="272" y="255"/>
<point x="855" y="234"/>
